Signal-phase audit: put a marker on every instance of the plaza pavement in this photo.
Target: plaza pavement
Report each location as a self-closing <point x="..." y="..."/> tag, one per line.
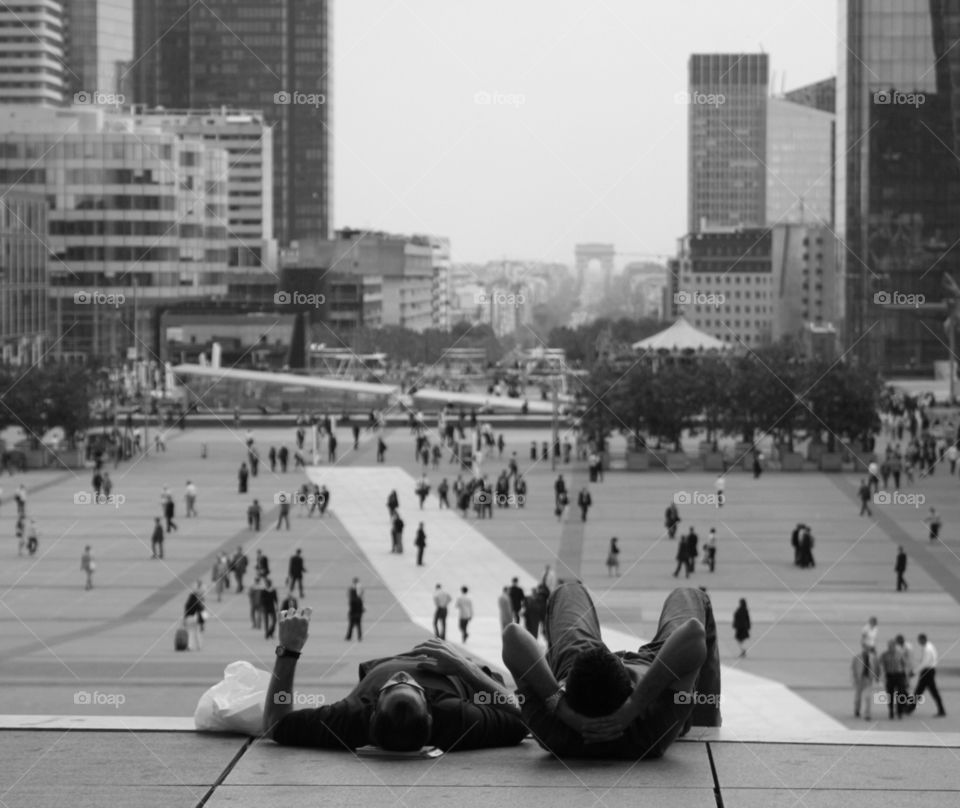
<point x="57" y="640"/>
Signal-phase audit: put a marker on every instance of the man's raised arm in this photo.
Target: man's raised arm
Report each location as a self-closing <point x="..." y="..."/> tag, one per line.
<point x="292" y="634"/>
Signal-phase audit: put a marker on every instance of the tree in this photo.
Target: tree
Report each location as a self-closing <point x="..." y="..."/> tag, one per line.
<point x="843" y="402"/>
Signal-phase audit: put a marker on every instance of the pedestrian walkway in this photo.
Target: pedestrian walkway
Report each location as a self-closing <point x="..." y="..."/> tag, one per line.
<point x="458" y="553"/>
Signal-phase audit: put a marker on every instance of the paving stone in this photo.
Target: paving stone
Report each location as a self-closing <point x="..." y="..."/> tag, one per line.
<point x="831" y="798"/>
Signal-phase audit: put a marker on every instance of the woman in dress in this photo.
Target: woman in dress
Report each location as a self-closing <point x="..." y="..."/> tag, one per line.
<point x="613" y="558"/>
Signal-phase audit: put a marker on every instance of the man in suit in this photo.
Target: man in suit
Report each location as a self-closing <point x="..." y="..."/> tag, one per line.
<point x="268" y="603"/>
<point x="355" y="610"/>
<point x="432" y="695"/>
<point x="900" y="568"/>
<point x="296" y="571"/>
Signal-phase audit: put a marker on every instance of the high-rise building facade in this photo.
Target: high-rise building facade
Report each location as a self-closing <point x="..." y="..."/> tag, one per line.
<point x="248" y="141"/>
<point x="898" y="178"/>
<point x="727" y="120"/>
<point x="98" y="43"/>
<point x="250" y="54"/>
<point x="23" y="278"/>
<point x="136" y="219"/>
<point x="32" y="53"/>
<point x="800" y="165"/>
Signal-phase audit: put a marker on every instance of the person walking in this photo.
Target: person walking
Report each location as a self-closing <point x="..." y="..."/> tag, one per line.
<point x="534" y="608"/>
<point x="219" y="575"/>
<point x="443" y="491"/>
<point x="795" y="542"/>
<point x="866" y="673"/>
<point x="238" y="565"/>
<point x="720" y="485"/>
<point x="396" y="534"/>
<point x="584" y="500"/>
<point x="516" y="599"/>
<point x="933" y="524"/>
<point x="262" y="565"/>
<point x="441" y="600"/>
<point x="864" y="493"/>
<point x="806" y="548"/>
<point x="613" y="558"/>
<point x="683" y="557"/>
<point x="868" y="634"/>
<point x="420" y="542"/>
<point x="393" y="502"/>
<point x="710" y="549"/>
<point x="272" y="457"/>
<point x="381" y="449"/>
<point x="355" y="610"/>
<point x="692" y="551"/>
<point x="900" y="568"/>
<point x="422" y="489"/>
<point x="741" y="625"/>
<point x="927" y="680"/>
<point x="88" y="566"/>
<point x="284" y="515"/>
<point x="295" y="571"/>
<point x="283" y="457"/>
<point x="194" y="616"/>
<point x="893" y="666"/>
<point x="671" y="519"/>
<point x="242" y="476"/>
<point x="190" y="498"/>
<point x="166" y="502"/>
<point x="464" y="606"/>
<point x="254" y="512"/>
<point x="256" y="603"/>
<point x="268" y="601"/>
<point x="156" y="539"/>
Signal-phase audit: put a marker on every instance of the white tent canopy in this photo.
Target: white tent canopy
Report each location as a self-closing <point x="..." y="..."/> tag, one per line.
<point x="681" y="337"/>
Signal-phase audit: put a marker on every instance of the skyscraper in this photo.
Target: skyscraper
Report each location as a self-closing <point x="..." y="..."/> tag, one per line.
<point x="250" y="54"/>
<point x="31" y="53"/>
<point x="726" y="178"/>
<point x="98" y="42"/>
<point x="898" y="179"/>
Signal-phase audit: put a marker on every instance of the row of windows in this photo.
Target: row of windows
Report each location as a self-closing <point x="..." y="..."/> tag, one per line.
<point x="736" y="309"/>
<point x="126" y="149"/>
<point x="141" y="254"/>
<point x="127" y="228"/>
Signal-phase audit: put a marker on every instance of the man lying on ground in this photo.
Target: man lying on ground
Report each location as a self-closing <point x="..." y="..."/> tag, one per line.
<point x="430" y="696"/>
<point x="581" y="700"/>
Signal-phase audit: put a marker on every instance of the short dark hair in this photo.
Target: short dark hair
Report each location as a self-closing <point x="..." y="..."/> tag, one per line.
<point x="401" y="725"/>
<point x="598" y="683"/>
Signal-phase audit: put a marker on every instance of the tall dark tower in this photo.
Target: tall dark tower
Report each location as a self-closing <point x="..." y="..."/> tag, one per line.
<point x="898" y="180"/>
<point x="269" y="55"/>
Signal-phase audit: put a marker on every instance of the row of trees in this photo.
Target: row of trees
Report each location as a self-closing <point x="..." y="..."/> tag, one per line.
<point x="39" y="398"/>
<point x="770" y="391"/>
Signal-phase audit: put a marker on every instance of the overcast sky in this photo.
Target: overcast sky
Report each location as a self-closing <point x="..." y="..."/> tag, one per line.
<point x="580" y="138"/>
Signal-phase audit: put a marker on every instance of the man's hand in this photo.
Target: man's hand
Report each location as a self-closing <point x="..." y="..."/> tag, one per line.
<point x="292" y="628"/>
<point x="441" y="657"/>
<point x="610" y="727"/>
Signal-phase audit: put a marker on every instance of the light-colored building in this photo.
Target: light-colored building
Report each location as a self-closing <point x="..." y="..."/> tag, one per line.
<point x="800" y="164"/>
<point x="441" y="283"/>
<point x="23" y="278"/>
<point x="248" y="140"/>
<point x="594" y="265"/>
<point x="136" y="219"/>
<point x="725" y="285"/>
<point x="98" y="43"/>
<point x="32" y="53"/>
<point x="804" y="259"/>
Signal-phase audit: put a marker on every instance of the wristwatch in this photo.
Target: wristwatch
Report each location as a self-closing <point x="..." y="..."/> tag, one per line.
<point x="284" y="652"/>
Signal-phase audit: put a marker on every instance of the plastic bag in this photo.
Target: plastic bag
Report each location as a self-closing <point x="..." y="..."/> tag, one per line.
<point x="236" y="703"/>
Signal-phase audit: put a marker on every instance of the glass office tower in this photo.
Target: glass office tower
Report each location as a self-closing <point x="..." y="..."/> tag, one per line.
<point x="272" y="55"/>
<point x="898" y="177"/>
